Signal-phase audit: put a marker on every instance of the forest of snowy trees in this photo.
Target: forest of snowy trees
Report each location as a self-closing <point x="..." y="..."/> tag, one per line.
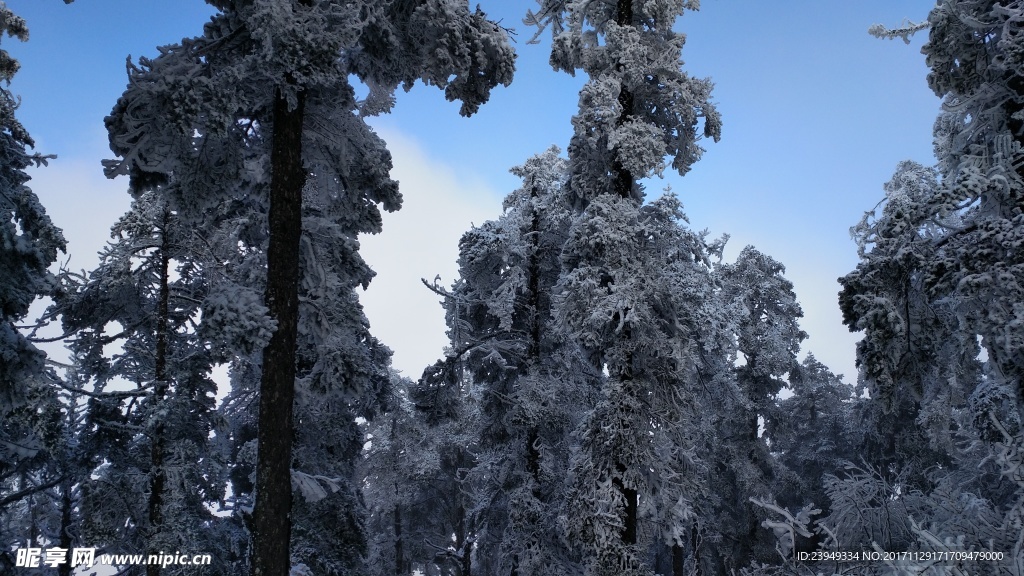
<point x="617" y="397"/>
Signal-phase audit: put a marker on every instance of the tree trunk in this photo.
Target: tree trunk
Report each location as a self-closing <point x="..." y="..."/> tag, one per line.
<point x="695" y="547"/>
<point x="66" y="520"/>
<point x="158" y="476"/>
<point x="33" y="531"/>
<point x="398" y="542"/>
<point x="629" y="528"/>
<point x="630" y="523"/>
<point x="533" y="353"/>
<point x="399" y="552"/>
<point x="533" y="460"/>
<point x="460" y="536"/>
<point x="271" y="525"/>
<point x="533" y="271"/>
<point x="624" y="188"/>
<point x="623" y="178"/>
<point x="678" y="560"/>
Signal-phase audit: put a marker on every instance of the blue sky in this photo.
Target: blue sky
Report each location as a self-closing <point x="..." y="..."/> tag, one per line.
<point x="816" y="116"/>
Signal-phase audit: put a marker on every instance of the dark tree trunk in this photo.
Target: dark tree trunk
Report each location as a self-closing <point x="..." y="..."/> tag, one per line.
<point x="460" y="538"/>
<point x="33" y="531"/>
<point x="158" y="477"/>
<point x="694" y="543"/>
<point x="630" y="495"/>
<point x="66" y="519"/>
<point x="623" y="178"/>
<point x="624" y="188"/>
<point x="533" y="460"/>
<point x="632" y="502"/>
<point x="678" y="560"/>
<point x="533" y="271"/>
<point x="629" y="528"/>
<point x="399" y="553"/>
<point x="271" y="526"/>
<point x="1012" y="109"/>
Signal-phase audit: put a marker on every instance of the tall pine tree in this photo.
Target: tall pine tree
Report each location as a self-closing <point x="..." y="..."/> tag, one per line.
<point x="532" y="381"/>
<point x="616" y="294"/>
<point x="30" y="410"/>
<point x="157" y="437"/>
<point x="275" y="74"/>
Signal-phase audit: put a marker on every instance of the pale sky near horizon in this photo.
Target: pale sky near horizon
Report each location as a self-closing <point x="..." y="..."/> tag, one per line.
<point x="816" y="113"/>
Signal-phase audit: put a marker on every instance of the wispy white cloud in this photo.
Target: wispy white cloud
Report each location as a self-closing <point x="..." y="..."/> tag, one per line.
<point x="84" y="204"/>
<point x="81" y="200"/>
<point x="420" y="241"/>
<point x="441" y="202"/>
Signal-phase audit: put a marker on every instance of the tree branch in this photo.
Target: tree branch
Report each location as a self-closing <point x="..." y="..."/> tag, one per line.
<point x="14" y="497"/>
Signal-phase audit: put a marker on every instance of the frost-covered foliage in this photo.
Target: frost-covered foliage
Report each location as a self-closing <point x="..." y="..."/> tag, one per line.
<point x="208" y="123"/>
<point x="40" y="495"/>
<point x="974" y="52"/>
<point x="342" y="374"/>
<point x="913" y="337"/>
<point x="501" y="405"/>
<point x="532" y="382"/>
<point x="636" y="292"/>
<point x="938" y="296"/>
<point x="180" y="105"/>
<point x="762" y="313"/>
<point x="398" y="457"/>
<point x="150" y="421"/>
<point x="34" y="437"/>
<point x="29" y="243"/>
<point x="813" y="434"/>
<point x="542" y="377"/>
<point x="414" y="467"/>
<point x="440" y="526"/>
<point x="638" y="106"/>
<point x="341" y="369"/>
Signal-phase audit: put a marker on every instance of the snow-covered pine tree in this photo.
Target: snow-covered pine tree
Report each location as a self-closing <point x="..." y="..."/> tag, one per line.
<point x="531" y="382"/>
<point x="813" y="435"/>
<point x="39" y="498"/>
<point x="911" y="336"/>
<point x="440" y="514"/>
<point x="73" y="460"/>
<point x="622" y="267"/>
<point x="765" y="315"/>
<point x="939" y="289"/>
<point x="933" y="398"/>
<point x="29" y="243"/>
<point x="281" y="68"/>
<point x="341" y="369"/>
<point x="33" y="432"/>
<point x="974" y="52"/>
<point x="641" y="466"/>
<point x="399" y="458"/>
<point x="155" y="437"/>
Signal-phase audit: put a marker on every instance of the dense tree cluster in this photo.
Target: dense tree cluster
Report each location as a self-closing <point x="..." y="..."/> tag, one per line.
<point x="253" y="173"/>
<point x="616" y="397"/>
<point x="937" y="294"/>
